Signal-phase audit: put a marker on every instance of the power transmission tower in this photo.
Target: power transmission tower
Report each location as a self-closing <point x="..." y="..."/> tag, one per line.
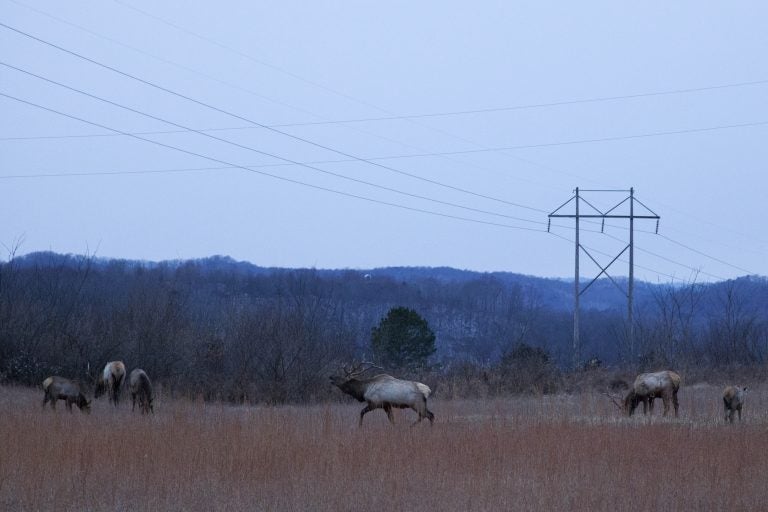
<point x="611" y="213"/>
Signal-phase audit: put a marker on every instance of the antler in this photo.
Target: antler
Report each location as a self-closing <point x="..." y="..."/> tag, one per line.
<point x="359" y="369"/>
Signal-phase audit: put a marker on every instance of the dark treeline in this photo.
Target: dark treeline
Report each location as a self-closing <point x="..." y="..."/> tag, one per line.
<point x="230" y="330"/>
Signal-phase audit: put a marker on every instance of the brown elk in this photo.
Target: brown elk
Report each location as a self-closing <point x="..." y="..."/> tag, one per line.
<point x="649" y="386"/>
<point x="59" y="388"/>
<point x="141" y="388"/>
<point x="733" y="400"/>
<point x="384" y="392"/>
<point x="110" y="381"/>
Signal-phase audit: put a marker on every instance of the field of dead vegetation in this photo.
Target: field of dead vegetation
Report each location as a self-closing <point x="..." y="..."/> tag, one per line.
<point x="565" y="452"/>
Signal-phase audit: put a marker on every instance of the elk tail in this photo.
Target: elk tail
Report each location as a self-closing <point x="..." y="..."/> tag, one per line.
<point x="675" y="380"/>
<point x="424" y="389"/>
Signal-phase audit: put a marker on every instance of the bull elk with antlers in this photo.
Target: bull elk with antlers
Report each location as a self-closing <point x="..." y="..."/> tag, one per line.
<point x="383" y="391"/>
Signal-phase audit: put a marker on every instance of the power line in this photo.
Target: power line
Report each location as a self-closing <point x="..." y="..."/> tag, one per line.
<point x="198" y="73"/>
<point x="289" y="180"/>
<point x="598" y="99"/>
<point x="354" y="158"/>
<point x="74" y="174"/>
<point x="529" y="106"/>
<point x="750" y="237"/>
<point x="316" y="84"/>
<point x="434" y="153"/>
<point x="256" y="123"/>
<point x="680" y="244"/>
<point x="389" y="114"/>
<point x="281" y="178"/>
<point x="583" y="141"/>
<point x="670" y="260"/>
<point x="246" y="56"/>
<point x="664" y="237"/>
<point x="670" y="240"/>
<point x="162" y="59"/>
<point x="335" y="174"/>
<point x="272" y="155"/>
<point x="219" y="168"/>
<point x="293" y="75"/>
<point x="386" y="188"/>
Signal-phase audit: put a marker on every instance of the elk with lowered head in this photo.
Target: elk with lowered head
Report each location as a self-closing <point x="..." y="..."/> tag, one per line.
<point x="141" y="389"/>
<point x="649" y="386"/>
<point x="59" y="388"/>
<point x="110" y="381"/>
<point x="383" y="391"/>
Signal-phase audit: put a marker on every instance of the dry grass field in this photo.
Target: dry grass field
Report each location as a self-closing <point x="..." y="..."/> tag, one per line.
<point x="549" y="453"/>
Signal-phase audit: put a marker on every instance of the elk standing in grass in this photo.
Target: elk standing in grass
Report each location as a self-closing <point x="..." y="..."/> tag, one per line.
<point x="59" y="388"/>
<point x="649" y="386"/>
<point x="384" y="392"/>
<point x="110" y="381"/>
<point x="733" y="400"/>
<point x="141" y="388"/>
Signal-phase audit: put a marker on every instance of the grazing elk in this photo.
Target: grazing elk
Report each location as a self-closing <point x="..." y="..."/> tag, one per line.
<point x="648" y="386"/>
<point x="733" y="400"/>
<point x="141" y="388"/>
<point x="110" y="381"/>
<point x="59" y="388"/>
<point x="384" y="392"/>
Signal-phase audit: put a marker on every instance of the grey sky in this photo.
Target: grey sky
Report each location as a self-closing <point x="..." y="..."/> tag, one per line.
<point x="299" y="62"/>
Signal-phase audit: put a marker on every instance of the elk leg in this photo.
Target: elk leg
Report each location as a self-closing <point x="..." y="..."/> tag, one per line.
<point x="419" y="413"/>
<point x="390" y="416"/>
<point x="366" y="409"/>
<point x="133" y="396"/>
<point x="665" y="399"/>
<point x="675" y="403"/>
<point x="739" y="411"/>
<point x="45" y="399"/>
<point x="423" y="412"/>
<point x="428" y="415"/>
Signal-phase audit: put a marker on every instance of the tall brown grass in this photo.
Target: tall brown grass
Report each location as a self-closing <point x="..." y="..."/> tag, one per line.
<point x="547" y="453"/>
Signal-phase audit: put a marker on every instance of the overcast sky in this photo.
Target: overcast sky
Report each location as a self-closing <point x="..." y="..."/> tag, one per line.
<point x="665" y="97"/>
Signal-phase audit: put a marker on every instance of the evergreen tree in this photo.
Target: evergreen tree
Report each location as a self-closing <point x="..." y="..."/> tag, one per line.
<point x="402" y="340"/>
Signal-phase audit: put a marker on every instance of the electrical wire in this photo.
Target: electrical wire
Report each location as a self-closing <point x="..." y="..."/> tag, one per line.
<point x="548" y="104"/>
<point x="264" y="153"/>
<point x="98" y="125"/>
<point x="477" y="150"/>
<point x="390" y="115"/>
<point x="206" y="76"/>
<point x="281" y="178"/>
<point x="255" y="123"/>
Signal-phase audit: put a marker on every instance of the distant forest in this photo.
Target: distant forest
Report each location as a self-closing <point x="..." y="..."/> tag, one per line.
<point x="231" y="330"/>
